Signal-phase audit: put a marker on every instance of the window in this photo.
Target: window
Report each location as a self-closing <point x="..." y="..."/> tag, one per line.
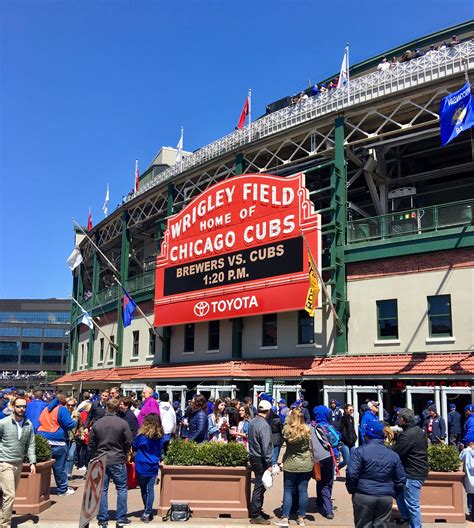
<point x="136" y="340"/>
<point x="31" y="332"/>
<point x="213" y="338"/>
<point x="387" y="319"/>
<point x="13" y="331"/>
<point x="82" y="354"/>
<point x="269" y="330"/>
<point x="52" y="352"/>
<point x="53" y="332"/>
<point x="151" y="342"/>
<point x="111" y="357"/>
<point x="9" y="352"/>
<point x="439" y="315"/>
<point x="35" y="317"/>
<point x="189" y="337"/>
<point x="305" y="328"/>
<point x="101" y="350"/>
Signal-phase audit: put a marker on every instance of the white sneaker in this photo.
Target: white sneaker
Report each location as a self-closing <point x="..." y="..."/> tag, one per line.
<point x="69" y="491"/>
<point x="83" y="468"/>
<point x="282" y="522"/>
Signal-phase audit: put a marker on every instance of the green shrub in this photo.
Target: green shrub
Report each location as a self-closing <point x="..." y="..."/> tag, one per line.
<point x="181" y="453"/>
<point x="442" y="457"/>
<point x="43" y="449"/>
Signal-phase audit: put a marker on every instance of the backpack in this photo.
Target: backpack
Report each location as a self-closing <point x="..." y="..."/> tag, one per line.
<point x="179" y="511"/>
<point x="332" y="435"/>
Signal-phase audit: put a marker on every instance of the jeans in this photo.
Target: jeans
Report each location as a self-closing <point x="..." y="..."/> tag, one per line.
<point x="147" y="487"/>
<point x="259" y="467"/>
<point x="59" y="453"/>
<point x="276" y="454"/>
<point x="118" y="474"/>
<point x="324" y="486"/>
<point x="408" y="501"/>
<point x="470" y="504"/>
<point x="71" y="455"/>
<point x="295" y="482"/>
<point x="371" y="511"/>
<point x="346" y="452"/>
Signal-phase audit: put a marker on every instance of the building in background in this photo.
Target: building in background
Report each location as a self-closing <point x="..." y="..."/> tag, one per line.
<point x="33" y="340"/>
<point x="397" y="234"/>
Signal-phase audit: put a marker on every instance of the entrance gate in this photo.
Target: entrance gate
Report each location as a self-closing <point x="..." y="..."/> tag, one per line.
<point x="175" y="392"/>
<point x="217" y="391"/>
<point x="288" y="392"/>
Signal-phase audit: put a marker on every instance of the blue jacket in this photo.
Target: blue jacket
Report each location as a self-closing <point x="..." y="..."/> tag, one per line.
<point x="33" y="411"/>
<point x="469" y="427"/>
<point x="148" y="455"/>
<point x="197" y="428"/>
<point x="368" y="417"/>
<point x="66" y="423"/>
<point x="454" y="422"/>
<point x="375" y="470"/>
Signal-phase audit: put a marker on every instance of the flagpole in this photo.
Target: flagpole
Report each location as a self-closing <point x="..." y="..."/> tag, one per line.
<point x="250" y="114"/>
<point x="348" y="78"/>
<point x="320" y="279"/>
<point x="117" y="280"/>
<point x="182" y="144"/>
<point x="96" y="325"/>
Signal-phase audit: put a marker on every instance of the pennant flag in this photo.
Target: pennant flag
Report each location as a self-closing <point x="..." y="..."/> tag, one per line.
<point x="128" y="310"/>
<point x="74" y="259"/>
<point x="456" y="114"/>
<point x="179" y="154"/>
<point x="89" y="220"/>
<point x="344" y="73"/>
<point x="244" y="113"/>
<point x="105" y="207"/>
<point x="137" y="177"/>
<point x="87" y="319"/>
<point x="313" y="290"/>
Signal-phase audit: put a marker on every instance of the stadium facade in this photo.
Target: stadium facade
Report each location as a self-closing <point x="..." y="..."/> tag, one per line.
<point x="394" y="244"/>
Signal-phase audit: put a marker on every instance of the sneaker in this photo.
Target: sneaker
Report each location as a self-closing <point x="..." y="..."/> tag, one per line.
<point x="284" y="521"/>
<point x="120" y="524"/>
<point x="146" y="518"/>
<point x="329" y="516"/>
<point x="259" y="520"/>
<point x="300" y="522"/>
<point x="83" y="468"/>
<point x="69" y="491"/>
<point x="265" y="516"/>
<point x="103" y="525"/>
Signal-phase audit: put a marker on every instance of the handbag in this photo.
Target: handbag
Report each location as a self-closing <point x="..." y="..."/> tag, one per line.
<point x="132" y="482"/>
<point x="317" y="471"/>
<point x="178" y="512"/>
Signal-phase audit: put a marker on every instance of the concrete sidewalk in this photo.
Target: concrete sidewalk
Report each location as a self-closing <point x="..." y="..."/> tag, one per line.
<point x="65" y="511"/>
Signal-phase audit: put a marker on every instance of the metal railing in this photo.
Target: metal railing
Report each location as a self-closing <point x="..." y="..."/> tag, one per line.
<point x="411" y="222"/>
<point x="143" y="282"/>
<point x="430" y="67"/>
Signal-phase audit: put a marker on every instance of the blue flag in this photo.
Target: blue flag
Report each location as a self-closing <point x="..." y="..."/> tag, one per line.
<point x="456" y="114"/>
<point x="128" y="310"/>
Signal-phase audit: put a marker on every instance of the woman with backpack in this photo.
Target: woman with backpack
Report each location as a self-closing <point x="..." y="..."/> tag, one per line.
<point x="297" y="466"/>
<point x="148" y="444"/>
<point x="324" y="442"/>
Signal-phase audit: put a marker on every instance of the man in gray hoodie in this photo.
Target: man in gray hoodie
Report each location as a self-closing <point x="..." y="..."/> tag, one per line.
<point x="260" y="453"/>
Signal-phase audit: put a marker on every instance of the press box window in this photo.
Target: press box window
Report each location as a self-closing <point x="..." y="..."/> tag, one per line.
<point x="136" y="340"/>
<point x="387" y="319"/>
<point x="189" y="337"/>
<point x="439" y="316"/>
<point x="269" y="330"/>
<point x="214" y="331"/>
<point x="305" y="328"/>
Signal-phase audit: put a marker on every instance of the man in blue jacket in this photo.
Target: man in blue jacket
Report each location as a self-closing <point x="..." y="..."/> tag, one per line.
<point x="469" y="425"/>
<point x="55" y="422"/>
<point x="371" y="415"/>
<point x="374" y="476"/>
<point x="454" y="425"/>
<point x="35" y="408"/>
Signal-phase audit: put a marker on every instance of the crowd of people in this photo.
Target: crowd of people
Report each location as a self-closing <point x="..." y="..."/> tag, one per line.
<point x="390" y="462"/>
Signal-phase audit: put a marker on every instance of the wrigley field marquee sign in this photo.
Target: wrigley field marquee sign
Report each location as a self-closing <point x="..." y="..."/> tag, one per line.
<point x="237" y="250"/>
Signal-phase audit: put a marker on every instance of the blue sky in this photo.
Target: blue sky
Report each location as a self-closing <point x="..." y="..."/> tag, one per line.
<point x="86" y="87"/>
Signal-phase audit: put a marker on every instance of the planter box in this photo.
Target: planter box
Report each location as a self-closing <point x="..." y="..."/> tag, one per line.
<point x="442" y="498"/>
<point x="209" y="491"/>
<point x="32" y="495"/>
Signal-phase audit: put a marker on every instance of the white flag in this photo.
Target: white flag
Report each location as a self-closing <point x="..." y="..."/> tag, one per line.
<point x="87" y="319"/>
<point x="74" y="259"/>
<point x="105" y="207"/>
<point x="179" y="154"/>
<point x="344" y="74"/>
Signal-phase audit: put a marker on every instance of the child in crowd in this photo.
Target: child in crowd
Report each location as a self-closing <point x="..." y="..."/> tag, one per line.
<point x="148" y="444"/>
<point x="467" y="458"/>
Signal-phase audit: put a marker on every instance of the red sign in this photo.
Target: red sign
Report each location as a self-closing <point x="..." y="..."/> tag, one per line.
<point x="237" y="250"/>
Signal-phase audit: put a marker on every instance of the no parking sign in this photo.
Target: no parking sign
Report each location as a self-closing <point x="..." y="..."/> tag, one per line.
<point x="93" y="490"/>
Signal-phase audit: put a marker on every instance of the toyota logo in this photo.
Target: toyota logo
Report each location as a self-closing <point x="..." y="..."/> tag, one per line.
<point x="201" y="308"/>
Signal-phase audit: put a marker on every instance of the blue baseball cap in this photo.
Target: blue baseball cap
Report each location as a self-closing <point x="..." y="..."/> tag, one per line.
<point x="429" y="402"/>
<point x="282" y="401"/>
<point x="469" y="407"/>
<point x="266" y="397"/>
<point x="7" y="391"/>
<point x="155" y="395"/>
<point x="375" y="430"/>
